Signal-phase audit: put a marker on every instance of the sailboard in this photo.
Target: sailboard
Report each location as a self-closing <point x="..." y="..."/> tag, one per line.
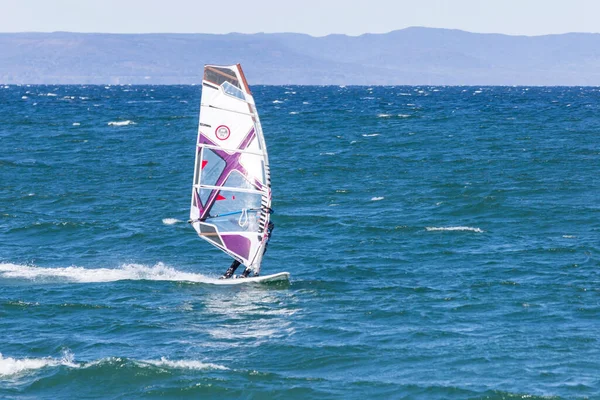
<point x="231" y="193"/>
<point x="278" y="277"/>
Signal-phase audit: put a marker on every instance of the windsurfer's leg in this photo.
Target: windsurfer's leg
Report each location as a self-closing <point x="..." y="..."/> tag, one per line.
<point x="231" y="270"/>
<point x="246" y="273"/>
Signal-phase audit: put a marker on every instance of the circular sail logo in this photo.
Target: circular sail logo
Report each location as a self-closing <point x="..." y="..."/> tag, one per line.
<point x="222" y="132"/>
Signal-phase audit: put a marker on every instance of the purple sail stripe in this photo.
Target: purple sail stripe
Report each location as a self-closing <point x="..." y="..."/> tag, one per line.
<point x="232" y="163"/>
<point x="238" y="244"/>
<point x="198" y="202"/>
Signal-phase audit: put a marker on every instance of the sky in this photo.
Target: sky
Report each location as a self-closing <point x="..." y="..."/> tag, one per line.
<point x="313" y="17"/>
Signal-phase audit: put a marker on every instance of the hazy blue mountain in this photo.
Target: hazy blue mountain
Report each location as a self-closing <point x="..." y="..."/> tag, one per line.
<point x="408" y="56"/>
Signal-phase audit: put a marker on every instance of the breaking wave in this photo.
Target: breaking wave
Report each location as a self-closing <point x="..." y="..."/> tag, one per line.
<point x="158" y="272"/>
<point x="455" y="228"/>
<point x="14" y="366"/>
<point x="183" y="364"/>
<point x="121" y="123"/>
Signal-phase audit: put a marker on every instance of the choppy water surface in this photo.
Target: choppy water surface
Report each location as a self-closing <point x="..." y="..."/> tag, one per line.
<point x="443" y="243"/>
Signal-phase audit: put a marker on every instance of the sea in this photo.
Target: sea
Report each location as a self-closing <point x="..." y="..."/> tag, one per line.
<point x="443" y="243"/>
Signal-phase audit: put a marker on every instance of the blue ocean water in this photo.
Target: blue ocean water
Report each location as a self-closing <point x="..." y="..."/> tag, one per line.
<point x="444" y="242"/>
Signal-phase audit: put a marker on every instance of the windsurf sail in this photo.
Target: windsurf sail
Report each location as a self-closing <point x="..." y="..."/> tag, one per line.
<point x="231" y="195"/>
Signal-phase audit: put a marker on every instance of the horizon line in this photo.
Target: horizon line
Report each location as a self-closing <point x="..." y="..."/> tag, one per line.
<point x="299" y="84"/>
<point x="299" y="33"/>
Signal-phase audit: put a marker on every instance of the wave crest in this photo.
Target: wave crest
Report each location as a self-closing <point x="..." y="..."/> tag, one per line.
<point x="121" y="123"/>
<point x="183" y="364"/>
<point x="158" y="272"/>
<point x="13" y="366"/>
<point x="454" y="228"/>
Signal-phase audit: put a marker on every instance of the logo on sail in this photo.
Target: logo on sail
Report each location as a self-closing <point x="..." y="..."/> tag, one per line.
<point x="222" y="132"/>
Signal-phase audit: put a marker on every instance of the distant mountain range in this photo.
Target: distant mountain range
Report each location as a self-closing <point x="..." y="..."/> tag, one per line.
<point x="412" y="56"/>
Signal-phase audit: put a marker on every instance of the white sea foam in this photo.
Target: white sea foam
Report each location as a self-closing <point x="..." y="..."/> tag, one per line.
<point x="14" y="366"/>
<point x="24" y="97"/>
<point x="454" y="228"/>
<point x="377" y="198"/>
<point x="403" y="115"/>
<point x="293" y="112"/>
<point x="277" y="101"/>
<point x="76" y="124"/>
<point x="183" y="364"/>
<point x="121" y="123"/>
<point x="384" y="115"/>
<point x="158" y="272"/>
<point x="370" y="134"/>
<point x="170" y="221"/>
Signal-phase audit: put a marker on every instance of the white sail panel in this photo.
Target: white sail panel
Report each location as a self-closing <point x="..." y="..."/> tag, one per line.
<point x="231" y="196"/>
<point x="227" y="129"/>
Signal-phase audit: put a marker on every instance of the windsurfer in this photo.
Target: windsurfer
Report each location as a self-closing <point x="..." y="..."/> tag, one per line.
<point x="235" y="264"/>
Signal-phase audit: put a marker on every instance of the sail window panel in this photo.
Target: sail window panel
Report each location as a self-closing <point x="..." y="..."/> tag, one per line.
<point x="209" y="232"/>
<point x="236" y="180"/>
<point x="236" y="211"/>
<point x="211" y="167"/>
<point x="219" y="75"/>
<point x="254" y="166"/>
<point x="231" y="90"/>
<point x="204" y="194"/>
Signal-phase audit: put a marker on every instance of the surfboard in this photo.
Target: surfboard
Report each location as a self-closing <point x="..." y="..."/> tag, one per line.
<point x="278" y="277"/>
<point x="231" y="191"/>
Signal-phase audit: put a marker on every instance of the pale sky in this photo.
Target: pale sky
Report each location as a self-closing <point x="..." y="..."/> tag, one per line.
<point x="314" y="17"/>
